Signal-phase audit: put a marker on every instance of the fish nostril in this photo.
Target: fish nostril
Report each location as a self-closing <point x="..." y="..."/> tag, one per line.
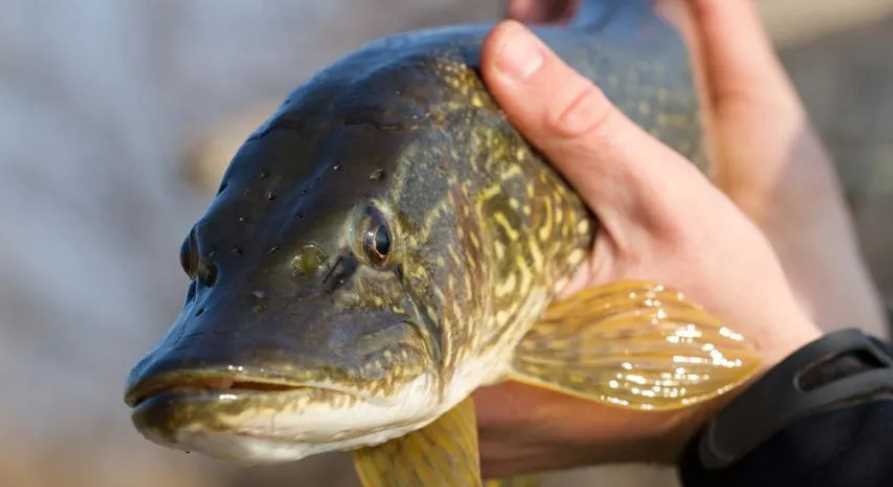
<point x="341" y="271"/>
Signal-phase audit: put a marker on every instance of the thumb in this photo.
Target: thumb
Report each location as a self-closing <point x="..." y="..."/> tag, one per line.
<point x="621" y="172"/>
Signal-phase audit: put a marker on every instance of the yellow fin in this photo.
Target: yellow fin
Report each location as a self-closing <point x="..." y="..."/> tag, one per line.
<point x="519" y="481"/>
<point x="636" y="345"/>
<point x="442" y="454"/>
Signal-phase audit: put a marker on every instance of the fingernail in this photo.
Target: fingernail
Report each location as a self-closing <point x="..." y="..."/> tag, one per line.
<point x="520" y="55"/>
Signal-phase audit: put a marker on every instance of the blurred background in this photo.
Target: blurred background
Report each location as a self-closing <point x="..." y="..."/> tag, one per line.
<point x="116" y="120"/>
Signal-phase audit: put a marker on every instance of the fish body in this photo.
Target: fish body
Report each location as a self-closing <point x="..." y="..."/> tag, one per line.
<point x="382" y="244"/>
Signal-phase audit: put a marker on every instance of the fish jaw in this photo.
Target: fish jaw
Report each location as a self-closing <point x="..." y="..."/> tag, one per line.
<point x="253" y="426"/>
<point x="288" y="424"/>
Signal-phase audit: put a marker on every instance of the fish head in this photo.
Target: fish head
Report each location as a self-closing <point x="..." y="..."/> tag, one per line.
<point x="321" y="275"/>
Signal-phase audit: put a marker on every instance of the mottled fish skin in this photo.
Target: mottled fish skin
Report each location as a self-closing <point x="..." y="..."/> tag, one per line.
<point x="292" y="317"/>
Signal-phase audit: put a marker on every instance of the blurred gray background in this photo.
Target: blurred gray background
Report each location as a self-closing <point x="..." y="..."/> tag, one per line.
<point x="116" y="117"/>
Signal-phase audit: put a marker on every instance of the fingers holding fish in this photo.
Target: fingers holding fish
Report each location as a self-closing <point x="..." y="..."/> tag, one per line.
<point x="660" y="217"/>
<point x="603" y="154"/>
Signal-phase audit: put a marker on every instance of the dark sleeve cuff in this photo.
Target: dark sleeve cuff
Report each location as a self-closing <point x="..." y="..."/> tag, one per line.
<point x="851" y="447"/>
<point x="822" y="417"/>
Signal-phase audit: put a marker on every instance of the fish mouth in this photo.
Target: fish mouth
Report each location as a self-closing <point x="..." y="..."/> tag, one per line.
<point x="261" y="419"/>
<point x="183" y="409"/>
<point x="203" y="383"/>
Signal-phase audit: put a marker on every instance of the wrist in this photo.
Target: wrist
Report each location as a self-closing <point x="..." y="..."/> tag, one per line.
<point x="795" y="335"/>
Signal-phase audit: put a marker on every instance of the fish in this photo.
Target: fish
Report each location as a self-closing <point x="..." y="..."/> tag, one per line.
<point x="387" y="242"/>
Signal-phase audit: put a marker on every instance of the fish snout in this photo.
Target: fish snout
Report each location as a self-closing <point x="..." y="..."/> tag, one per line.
<point x="351" y="350"/>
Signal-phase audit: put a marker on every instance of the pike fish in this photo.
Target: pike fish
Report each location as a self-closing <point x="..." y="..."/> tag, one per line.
<point x="387" y="242"/>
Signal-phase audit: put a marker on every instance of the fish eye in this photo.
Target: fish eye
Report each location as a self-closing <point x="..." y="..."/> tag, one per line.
<point x="189" y="257"/>
<point x="376" y="239"/>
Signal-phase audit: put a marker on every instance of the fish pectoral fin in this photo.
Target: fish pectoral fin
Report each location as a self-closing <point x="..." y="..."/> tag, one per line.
<point x="442" y="454"/>
<point x="636" y="345"/>
<point x="519" y="481"/>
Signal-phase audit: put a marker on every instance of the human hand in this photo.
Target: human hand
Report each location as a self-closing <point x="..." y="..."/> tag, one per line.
<point x="765" y="155"/>
<point x="661" y="220"/>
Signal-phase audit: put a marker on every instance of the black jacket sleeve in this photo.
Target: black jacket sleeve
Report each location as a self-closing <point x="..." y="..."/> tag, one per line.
<point x="848" y="446"/>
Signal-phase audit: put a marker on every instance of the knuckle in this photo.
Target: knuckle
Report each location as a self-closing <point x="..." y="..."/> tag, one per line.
<point x="588" y="112"/>
<point x="742" y="102"/>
